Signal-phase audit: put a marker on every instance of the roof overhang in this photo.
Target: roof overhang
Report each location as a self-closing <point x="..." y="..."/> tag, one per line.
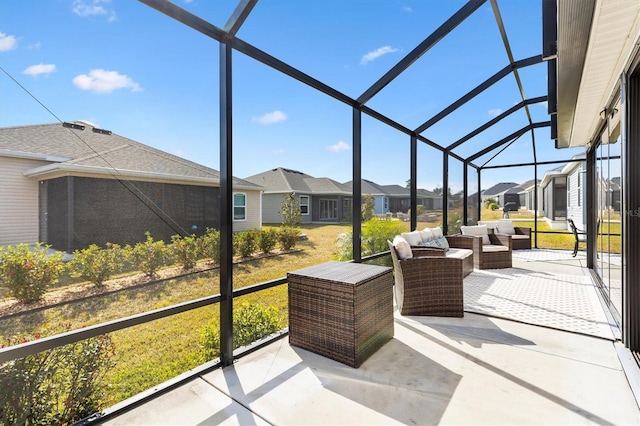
<point x="596" y="41"/>
<point x="53" y="171"/>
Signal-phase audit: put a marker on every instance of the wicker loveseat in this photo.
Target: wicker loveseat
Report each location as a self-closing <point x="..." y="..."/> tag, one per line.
<point x="428" y="282"/>
<point x="490" y="251"/>
<point x="520" y="235"/>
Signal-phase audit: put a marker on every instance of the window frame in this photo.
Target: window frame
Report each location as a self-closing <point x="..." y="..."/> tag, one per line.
<point x="244" y="207"/>
<point x="307" y="204"/>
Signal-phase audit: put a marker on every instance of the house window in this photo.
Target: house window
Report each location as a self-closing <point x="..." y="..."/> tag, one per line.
<point x="386" y="204"/>
<point x="328" y="209"/>
<point x="304" y="204"/>
<point x="239" y="206"/>
<point x="579" y="188"/>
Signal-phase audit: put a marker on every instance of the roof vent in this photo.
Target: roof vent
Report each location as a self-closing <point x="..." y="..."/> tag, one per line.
<point x="101" y="131"/>
<point x="73" y="126"/>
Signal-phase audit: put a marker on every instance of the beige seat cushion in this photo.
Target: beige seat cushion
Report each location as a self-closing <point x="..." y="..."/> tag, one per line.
<point x="490" y="248"/>
<point x="477" y="230"/>
<point x="459" y="253"/>
<point x="519" y="237"/>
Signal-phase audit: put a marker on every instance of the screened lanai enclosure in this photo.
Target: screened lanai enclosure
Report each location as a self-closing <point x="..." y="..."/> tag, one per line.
<point x="453" y="98"/>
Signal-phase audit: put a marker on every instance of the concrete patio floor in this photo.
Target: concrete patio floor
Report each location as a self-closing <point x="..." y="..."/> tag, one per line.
<point x="473" y="370"/>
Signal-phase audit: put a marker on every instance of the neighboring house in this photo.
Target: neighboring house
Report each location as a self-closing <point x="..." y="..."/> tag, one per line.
<point x="320" y="199"/>
<point x="526" y="195"/>
<point x="430" y="200"/>
<point x="563" y="194"/>
<point x="498" y="192"/>
<point x="380" y="197"/>
<point x="71" y="185"/>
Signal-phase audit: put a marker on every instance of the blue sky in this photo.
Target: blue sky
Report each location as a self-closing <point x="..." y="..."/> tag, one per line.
<point x="128" y="68"/>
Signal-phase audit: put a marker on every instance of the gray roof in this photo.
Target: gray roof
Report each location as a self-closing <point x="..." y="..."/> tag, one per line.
<point x="83" y="147"/>
<point x="367" y="187"/>
<point x="281" y="179"/>
<point x="498" y="188"/>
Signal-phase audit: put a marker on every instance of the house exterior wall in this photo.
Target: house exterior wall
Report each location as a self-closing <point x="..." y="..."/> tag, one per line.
<point x="18" y="202"/>
<point x="81" y="211"/>
<point x="272" y="204"/>
<point x="254" y="215"/>
<point x="576" y="209"/>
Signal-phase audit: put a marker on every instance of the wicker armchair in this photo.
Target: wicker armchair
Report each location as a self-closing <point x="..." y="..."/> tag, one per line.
<point x="486" y="257"/>
<point x="428" y="284"/>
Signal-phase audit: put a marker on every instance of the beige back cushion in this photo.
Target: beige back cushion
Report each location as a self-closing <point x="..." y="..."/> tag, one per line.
<point x="477" y="230"/>
<point x="506" y="227"/>
<point x="413" y="238"/>
<point x="402" y="247"/>
<point x="437" y="232"/>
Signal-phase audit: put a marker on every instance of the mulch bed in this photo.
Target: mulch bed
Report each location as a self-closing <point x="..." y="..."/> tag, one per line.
<point x="11" y="306"/>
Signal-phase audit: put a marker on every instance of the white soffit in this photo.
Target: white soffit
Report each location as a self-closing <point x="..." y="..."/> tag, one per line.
<point x="615" y="30"/>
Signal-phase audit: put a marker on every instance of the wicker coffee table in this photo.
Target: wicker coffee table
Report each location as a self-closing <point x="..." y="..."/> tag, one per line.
<point x="343" y="311"/>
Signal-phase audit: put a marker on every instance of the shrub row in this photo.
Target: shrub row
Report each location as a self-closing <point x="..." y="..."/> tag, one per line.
<point x="28" y="272"/>
<point x="58" y="386"/>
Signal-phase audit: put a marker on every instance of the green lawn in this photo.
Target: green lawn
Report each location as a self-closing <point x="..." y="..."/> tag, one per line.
<point x="154" y="352"/>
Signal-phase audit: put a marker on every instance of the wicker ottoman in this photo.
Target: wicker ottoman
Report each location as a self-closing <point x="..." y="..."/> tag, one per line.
<point x="343" y="311"/>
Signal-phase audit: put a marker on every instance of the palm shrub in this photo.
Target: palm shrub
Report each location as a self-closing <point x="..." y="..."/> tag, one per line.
<point x="268" y="240"/>
<point x="185" y="250"/>
<point x="59" y="386"/>
<point x="245" y="243"/>
<point x="148" y="255"/>
<point x="96" y="264"/>
<point x="210" y="245"/>
<point x="28" y="272"/>
<point x="288" y="237"/>
<point x="375" y="233"/>
<point x="251" y="322"/>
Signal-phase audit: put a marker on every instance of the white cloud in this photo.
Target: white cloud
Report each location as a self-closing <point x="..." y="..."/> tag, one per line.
<point x="7" y="42"/>
<point x="85" y="8"/>
<point x="340" y="146"/>
<point x="494" y="112"/>
<point x="407" y="9"/>
<point x="36" y="70"/>
<point x="102" y="81"/>
<point x="271" y="117"/>
<point x="35" y="46"/>
<point x="279" y="151"/>
<point x="375" y="54"/>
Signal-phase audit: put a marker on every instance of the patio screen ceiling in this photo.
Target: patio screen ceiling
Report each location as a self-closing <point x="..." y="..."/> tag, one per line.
<point x="488" y="64"/>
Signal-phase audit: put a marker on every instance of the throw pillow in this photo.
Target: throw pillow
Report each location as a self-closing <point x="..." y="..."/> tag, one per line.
<point x="402" y="247"/>
<point x="431" y="243"/>
<point x="478" y="230"/>
<point x="442" y="241"/>
<point x="506" y="227"/>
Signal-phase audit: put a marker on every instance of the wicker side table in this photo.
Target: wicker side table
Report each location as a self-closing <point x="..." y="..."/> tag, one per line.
<point x="343" y="311"/>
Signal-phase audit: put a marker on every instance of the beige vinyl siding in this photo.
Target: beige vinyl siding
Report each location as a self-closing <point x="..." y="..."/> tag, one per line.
<point x="18" y="201"/>
<point x="271" y="205"/>
<point x="253" y="212"/>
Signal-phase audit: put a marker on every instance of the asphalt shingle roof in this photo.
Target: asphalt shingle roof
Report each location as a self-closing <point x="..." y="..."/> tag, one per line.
<point x="105" y="152"/>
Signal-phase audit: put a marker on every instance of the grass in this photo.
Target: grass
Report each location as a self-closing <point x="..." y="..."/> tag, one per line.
<point x="151" y="353"/>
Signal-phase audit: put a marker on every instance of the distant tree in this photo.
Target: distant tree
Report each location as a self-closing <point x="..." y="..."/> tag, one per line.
<point x="437" y="190"/>
<point x="368" y="207"/>
<point x="408" y="184"/>
<point x="290" y="211"/>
